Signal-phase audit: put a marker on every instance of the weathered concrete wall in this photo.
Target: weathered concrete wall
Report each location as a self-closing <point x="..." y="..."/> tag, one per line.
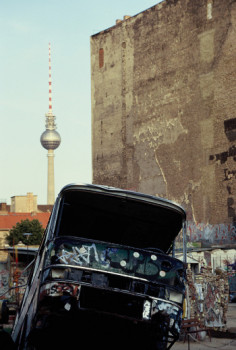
<point x="163" y="107"/>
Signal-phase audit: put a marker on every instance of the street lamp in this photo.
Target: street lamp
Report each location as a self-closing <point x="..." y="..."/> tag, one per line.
<point x="27" y="234"/>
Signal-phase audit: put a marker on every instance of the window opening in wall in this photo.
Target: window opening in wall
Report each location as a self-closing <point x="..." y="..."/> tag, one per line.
<point x="101" y="58"/>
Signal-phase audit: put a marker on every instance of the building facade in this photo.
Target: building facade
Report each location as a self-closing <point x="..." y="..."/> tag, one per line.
<point x="24" y="204"/>
<point x="163" y="110"/>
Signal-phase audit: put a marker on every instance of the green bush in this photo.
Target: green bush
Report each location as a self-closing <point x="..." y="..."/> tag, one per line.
<point x="33" y="227"/>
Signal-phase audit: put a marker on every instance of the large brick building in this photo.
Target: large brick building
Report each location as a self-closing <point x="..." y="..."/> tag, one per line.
<point x="164" y="109"/>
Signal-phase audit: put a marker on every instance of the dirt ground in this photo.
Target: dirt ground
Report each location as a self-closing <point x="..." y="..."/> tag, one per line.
<point x="224" y="343"/>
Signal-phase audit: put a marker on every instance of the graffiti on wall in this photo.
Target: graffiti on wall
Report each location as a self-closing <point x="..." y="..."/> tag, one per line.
<point x="4" y="282"/>
<point x="207" y="298"/>
<point x="209" y="303"/>
<point x="219" y="233"/>
<point x="212" y="307"/>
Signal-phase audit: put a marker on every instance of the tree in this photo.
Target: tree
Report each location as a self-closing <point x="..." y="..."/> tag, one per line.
<point x="16" y="234"/>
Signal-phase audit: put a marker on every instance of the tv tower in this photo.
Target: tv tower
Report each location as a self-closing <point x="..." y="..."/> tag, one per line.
<point x="50" y="139"/>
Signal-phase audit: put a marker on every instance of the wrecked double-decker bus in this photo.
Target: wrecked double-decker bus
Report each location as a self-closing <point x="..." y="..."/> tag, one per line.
<point x="104" y="273"/>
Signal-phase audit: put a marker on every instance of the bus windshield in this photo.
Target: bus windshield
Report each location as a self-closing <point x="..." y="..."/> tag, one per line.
<point x="108" y="257"/>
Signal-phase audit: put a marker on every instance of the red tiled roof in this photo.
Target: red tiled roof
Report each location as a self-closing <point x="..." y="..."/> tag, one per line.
<point x="9" y="220"/>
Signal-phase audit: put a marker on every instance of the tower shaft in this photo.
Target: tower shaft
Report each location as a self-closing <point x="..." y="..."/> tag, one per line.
<point x="51" y="185"/>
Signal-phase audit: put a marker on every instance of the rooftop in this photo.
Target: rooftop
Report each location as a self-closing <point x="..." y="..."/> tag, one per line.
<point x="7" y="221"/>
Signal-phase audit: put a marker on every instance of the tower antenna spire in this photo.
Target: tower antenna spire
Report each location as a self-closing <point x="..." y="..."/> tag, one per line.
<point x="50" y="79"/>
<point x="50" y="139"/>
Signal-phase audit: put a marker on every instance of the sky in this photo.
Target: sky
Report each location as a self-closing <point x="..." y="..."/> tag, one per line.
<point x="27" y="27"/>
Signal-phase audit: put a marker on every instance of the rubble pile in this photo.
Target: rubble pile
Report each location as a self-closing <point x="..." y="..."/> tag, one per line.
<point x="207" y="297"/>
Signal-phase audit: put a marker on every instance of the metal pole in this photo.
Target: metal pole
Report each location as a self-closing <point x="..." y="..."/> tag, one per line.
<point x="173" y="249"/>
<point x="184" y="243"/>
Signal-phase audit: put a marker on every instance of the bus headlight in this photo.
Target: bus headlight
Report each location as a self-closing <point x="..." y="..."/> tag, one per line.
<point x="58" y="273"/>
<point x="176" y="297"/>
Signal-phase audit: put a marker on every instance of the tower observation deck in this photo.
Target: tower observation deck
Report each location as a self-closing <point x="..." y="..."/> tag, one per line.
<point x="50" y="140"/>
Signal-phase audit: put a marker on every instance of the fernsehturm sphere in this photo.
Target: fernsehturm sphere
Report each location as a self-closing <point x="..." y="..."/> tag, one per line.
<point x="50" y="139"/>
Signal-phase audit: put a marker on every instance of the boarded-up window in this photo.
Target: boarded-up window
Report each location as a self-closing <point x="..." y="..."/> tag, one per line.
<point x="101" y="58"/>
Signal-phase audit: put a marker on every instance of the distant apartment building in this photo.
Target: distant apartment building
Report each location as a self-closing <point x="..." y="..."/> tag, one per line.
<point x="24" y="204"/>
<point x="163" y="110"/>
<point x="28" y="204"/>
